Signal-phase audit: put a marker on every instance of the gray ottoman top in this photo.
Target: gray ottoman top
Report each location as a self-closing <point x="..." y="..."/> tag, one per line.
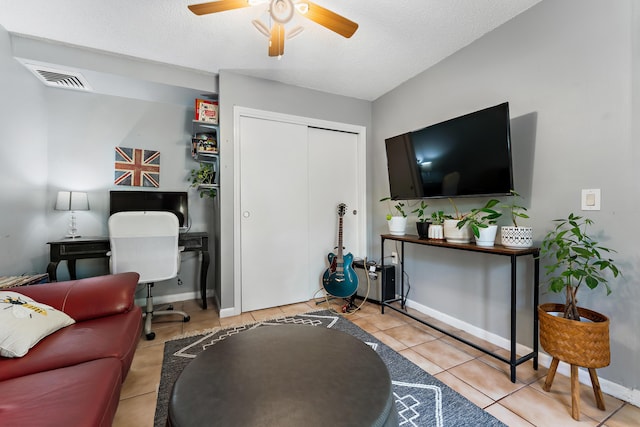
<point x="289" y="375"/>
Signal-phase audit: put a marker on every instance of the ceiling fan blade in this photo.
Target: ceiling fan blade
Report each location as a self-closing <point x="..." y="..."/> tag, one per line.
<point x="331" y="20"/>
<point x="217" y="6"/>
<point x="276" y="41"/>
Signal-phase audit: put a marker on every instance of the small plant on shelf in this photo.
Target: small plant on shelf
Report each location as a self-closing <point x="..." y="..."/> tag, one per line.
<point x="399" y="207"/>
<point x="438" y="217"/>
<point x="516" y="211"/>
<point x="203" y="179"/>
<point x="481" y="217"/>
<point x="419" y="211"/>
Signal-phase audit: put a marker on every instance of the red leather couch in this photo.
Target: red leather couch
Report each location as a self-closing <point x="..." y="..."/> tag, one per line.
<point x="73" y="377"/>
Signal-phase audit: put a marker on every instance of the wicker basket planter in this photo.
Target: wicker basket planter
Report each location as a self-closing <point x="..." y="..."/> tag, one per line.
<point x="580" y="344"/>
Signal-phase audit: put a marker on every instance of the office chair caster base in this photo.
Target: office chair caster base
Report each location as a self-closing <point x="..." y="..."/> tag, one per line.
<point x="186" y="319"/>
<point x="150" y="336"/>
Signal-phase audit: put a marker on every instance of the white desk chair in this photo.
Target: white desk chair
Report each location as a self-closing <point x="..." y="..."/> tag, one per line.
<point x="147" y="243"/>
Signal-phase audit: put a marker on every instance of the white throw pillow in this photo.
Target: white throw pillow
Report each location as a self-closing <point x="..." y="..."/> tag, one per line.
<point x="24" y="322"/>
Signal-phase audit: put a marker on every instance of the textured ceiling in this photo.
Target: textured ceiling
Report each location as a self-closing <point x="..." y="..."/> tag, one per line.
<point x="395" y="41"/>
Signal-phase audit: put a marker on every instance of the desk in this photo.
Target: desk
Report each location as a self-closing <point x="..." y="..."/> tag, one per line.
<point x="513" y="254"/>
<point x="71" y="250"/>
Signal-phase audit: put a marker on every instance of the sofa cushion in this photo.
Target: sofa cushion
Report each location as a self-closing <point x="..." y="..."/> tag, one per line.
<point x="112" y="336"/>
<point x="82" y="395"/>
<point x="24" y="322"/>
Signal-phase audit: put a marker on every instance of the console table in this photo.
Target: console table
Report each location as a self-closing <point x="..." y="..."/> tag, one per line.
<point x="71" y="250"/>
<point x="513" y="254"/>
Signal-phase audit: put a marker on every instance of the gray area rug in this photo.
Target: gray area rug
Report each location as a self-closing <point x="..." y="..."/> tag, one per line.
<point x="421" y="399"/>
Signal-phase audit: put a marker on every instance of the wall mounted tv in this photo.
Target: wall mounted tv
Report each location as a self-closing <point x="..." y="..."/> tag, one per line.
<point x="171" y="201"/>
<point x="465" y="156"/>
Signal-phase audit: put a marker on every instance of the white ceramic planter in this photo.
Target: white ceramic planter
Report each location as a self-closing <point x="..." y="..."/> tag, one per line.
<point x="397" y="225"/>
<point x="455" y="235"/>
<point x="487" y="236"/>
<point x="516" y="237"/>
<point x="436" y="231"/>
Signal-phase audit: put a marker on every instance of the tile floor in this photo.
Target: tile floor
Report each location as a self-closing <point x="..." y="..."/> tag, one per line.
<point x="481" y="378"/>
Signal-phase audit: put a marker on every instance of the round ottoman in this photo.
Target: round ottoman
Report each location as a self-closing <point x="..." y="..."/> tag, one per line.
<point x="288" y="375"/>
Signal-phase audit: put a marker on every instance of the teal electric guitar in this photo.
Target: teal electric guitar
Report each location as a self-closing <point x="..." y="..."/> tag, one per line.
<point x="340" y="279"/>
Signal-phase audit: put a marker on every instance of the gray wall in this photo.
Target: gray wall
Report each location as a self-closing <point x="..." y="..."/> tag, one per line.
<point x="249" y="92"/>
<point x="568" y="70"/>
<point x="53" y="139"/>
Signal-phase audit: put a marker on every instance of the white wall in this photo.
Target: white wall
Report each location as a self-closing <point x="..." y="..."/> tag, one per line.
<point x="566" y="69"/>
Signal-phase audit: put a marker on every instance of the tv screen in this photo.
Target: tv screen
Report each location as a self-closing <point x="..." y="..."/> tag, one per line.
<point x="468" y="155"/>
<point x="171" y="201"/>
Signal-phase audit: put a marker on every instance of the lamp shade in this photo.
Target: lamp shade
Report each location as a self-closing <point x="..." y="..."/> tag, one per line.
<point x="72" y="201"/>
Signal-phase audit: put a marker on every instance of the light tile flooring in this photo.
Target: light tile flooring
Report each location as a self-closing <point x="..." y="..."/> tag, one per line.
<point x="480" y="378"/>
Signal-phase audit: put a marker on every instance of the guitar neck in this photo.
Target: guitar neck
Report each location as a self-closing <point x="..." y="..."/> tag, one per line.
<point x="340" y="257"/>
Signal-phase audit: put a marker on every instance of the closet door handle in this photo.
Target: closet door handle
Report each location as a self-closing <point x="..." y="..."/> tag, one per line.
<point x="246" y="214"/>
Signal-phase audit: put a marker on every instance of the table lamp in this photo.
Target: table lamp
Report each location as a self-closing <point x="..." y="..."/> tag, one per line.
<point x="72" y="201"/>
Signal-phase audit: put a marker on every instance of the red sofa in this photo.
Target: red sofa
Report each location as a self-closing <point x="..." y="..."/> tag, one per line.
<point x="73" y="377"/>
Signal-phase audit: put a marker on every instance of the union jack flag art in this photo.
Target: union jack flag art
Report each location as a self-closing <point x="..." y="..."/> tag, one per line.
<point x="137" y="167"/>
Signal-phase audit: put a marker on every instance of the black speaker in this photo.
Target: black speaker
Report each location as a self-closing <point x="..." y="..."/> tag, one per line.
<point x="376" y="281"/>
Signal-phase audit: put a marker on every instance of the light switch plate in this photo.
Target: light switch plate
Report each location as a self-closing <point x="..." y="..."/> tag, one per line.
<point x="591" y="200"/>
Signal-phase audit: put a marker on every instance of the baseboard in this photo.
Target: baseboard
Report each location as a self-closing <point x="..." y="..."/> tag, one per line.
<point x="616" y="390"/>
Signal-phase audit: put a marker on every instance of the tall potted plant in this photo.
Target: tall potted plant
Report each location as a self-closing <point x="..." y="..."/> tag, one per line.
<point x="483" y="223"/>
<point x="515" y="236"/>
<point x="397" y="220"/>
<point x="576" y="260"/>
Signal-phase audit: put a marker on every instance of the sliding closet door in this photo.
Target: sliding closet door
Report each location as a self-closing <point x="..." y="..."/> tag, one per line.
<point x="333" y="179"/>
<point x="275" y="213"/>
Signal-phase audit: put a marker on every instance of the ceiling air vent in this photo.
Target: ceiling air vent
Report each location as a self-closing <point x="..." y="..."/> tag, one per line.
<point x="59" y="78"/>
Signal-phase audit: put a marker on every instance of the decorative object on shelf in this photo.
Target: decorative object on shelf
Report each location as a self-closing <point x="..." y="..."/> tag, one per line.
<point x="204" y="143"/>
<point x="436" y="229"/>
<point x="483" y="223"/>
<point x="576" y="259"/>
<point x="453" y="233"/>
<point x="206" y="111"/>
<point x="423" y="222"/>
<point x="398" y="222"/>
<point x="281" y="12"/>
<point x="515" y="236"/>
<point x="72" y="201"/>
<point x="137" y="167"/>
<point x="203" y="179"/>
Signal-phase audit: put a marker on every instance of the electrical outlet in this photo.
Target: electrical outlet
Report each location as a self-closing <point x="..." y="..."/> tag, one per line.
<point x="394" y="258"/>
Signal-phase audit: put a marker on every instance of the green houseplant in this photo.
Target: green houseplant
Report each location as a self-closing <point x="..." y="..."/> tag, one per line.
<point x="516" y="236"/>
<point x="423" y="221"/>
<point x="203" y="179"/>
<point x="397" y="220"/>
<point x="452" y="232"/>
<point x="483" y="223"/>
<point x="576" y="260"/>
<point x="436" y="229"/>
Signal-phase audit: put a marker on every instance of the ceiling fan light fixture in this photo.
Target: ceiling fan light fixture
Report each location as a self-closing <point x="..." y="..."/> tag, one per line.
<point x="302" y="8"/>
<point x="295" y="31"/>
<point x="260" y="26"/>
<point x="282" y="10"/>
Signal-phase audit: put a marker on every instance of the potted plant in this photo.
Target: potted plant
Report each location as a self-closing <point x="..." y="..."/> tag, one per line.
<point x="397" y="220"/>
<point x="203" y="179"/>
<point x="436" y="229"/>
<point x="515" y="236"/>
<point x="454" y="234"/>
<point x="423" y="222"/>
<point x="576" y="260"/>
<point x="483" y="223"/>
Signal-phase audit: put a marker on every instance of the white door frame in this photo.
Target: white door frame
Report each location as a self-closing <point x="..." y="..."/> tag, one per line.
<point x="239" y="112"/>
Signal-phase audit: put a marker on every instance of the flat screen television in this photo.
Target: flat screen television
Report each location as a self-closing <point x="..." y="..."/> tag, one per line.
<point x="171" y="201"/>
<point x="465" y="156"/>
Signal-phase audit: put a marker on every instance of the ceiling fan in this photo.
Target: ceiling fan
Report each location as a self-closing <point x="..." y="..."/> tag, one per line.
<point x="281" y="12"/>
